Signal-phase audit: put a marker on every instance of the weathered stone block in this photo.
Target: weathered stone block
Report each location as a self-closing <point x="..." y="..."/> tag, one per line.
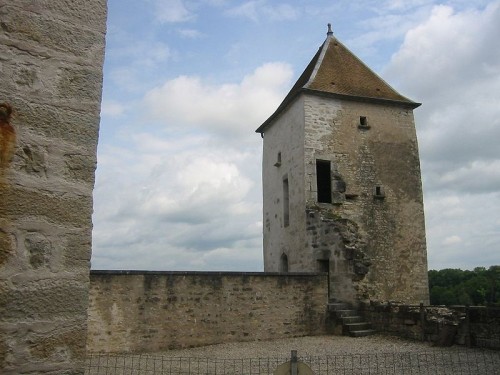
<point x="34" y="160"/>
<point x="63" y="343"/>
<point x="46" y="32"/>
<point x="91" y="14"/>
<point x="77" y="250"/>
<point x="80" y="167"/>
<point x="26" y="76"/>
<point x="39" y="250"/>
<point x="6" y="247"/>
<point x="80" y="127"/>
<point x="79" y="83"/>
<point x="44" y="299"/>
<point x="44" y="347"/>
<point x="74" y="211"/>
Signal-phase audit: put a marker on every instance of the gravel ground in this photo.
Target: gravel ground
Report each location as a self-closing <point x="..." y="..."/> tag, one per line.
<point x="323" y="354"/>
<point x="306" y="346"/>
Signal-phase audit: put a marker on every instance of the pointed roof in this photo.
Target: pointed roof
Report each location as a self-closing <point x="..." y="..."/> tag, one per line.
<point x="336" y="72"/>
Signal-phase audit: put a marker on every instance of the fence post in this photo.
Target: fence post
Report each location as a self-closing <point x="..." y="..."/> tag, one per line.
<point x="422" y="322"/>
<point x="468" y="342"/>
<point x="293" y="363"/>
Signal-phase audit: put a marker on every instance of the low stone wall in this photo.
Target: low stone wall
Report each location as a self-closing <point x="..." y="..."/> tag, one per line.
<point x="135" y="311"/>
<point x="471" y="326"/>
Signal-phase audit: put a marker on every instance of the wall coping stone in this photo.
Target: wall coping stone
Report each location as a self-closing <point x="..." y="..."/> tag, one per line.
<point x="205" y="273"/>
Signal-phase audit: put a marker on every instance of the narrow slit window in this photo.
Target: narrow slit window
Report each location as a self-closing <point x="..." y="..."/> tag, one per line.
<point x="324" y="181"/>
<point x="286" y="203"/>
<point x="278" y="160"/>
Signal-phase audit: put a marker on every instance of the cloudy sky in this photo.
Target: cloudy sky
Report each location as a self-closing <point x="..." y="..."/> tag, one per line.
<point x="187" y="82"/>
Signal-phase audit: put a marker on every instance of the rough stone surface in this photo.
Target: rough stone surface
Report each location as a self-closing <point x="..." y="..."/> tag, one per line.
<point x="285" y="138"/>
<point x="154" y="311"/>
<point x="371" y="237"/>
<point x="475" y="326"/>
<point x="51" y="55"/>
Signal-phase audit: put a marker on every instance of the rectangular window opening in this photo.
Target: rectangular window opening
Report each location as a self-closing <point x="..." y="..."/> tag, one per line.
<point x="324" y="181"/>
<point x="379" y="192"/>
<point x="363" y="121"/>
<point x="286" y="203"/>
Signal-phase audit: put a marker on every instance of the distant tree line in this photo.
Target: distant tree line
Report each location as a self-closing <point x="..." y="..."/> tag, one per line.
<point x="456" y="287"/>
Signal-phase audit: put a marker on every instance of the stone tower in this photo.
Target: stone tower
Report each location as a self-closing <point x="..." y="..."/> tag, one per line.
<point x="51" y="57"/>
<point x="341" y="182"/>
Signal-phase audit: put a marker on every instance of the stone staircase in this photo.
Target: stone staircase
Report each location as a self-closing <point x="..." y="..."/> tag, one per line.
<point x="352" y="323"/>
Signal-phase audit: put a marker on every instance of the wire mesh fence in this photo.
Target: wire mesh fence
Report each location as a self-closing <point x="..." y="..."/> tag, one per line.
<point x="418" y="363"/>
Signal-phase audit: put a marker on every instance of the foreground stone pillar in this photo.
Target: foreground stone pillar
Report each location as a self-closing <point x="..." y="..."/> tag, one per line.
<point x="51" y="55"/>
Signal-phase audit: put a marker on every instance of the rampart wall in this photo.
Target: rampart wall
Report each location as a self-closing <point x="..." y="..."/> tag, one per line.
<point x="476" y="326"/>
<point x="148" y="311"/>
<point x="136" y="311"/>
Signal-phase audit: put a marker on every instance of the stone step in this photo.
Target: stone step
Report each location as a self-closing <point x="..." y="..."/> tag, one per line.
<point x="335" y="306"/>
<point x="351" y="319"/>
<point x="361" y="326"/>
<point x="345" y="313"/>
<point x="352" y="323"/>
<point x="362" y="333"/>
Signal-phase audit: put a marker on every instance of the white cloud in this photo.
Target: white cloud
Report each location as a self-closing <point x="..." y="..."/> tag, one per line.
<point x="257" y="9"/>
<point x="451" y="63"/>
<point x="474" y="222"/>
<point x="177" y="198"/>
<point x="174" y="190"/>
<point x="246" y="10"/>
<point x="190" y="33"/>
<point x="476" y="177"/>
<point x="145" y="52"/>
<point x="125" y="78"/>
<point x="387" y="24"/>
<point x="403" y="5"/>
<point x="452" y="240"/>
<point x="185" y="198"/>
<point x="112" y="108"/>
<point x="450" y="60"/>
<point x="229" y="109"/>
<point x="131" y="62"/>
<point x="172" y="11"/>
<point x="281" y="12"/>
<point x="449" y="45"/>
<point x="446" y="207"/>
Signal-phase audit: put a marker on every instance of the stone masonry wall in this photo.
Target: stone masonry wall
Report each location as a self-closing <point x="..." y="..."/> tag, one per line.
<point x="51" y="55"/>
<point x="376" y="241"/>
<point x="476" y="326"/>
<point x="285" y="139"/>
<point x="134" y="311"/>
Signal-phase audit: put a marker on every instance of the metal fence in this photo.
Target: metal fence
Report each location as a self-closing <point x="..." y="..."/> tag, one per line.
<point x="433" y="362"/>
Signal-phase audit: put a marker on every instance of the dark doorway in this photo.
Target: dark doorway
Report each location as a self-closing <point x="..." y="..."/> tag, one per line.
<point x="324" y="265"/>
<point x="284" y="263"/>
<point x="324" y="181"/>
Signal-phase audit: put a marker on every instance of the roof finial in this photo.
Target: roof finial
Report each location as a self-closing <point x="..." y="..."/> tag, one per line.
<point x="330" y="32"/>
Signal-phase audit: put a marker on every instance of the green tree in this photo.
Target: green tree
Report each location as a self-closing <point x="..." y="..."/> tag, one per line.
<point x="450" y="286"/>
